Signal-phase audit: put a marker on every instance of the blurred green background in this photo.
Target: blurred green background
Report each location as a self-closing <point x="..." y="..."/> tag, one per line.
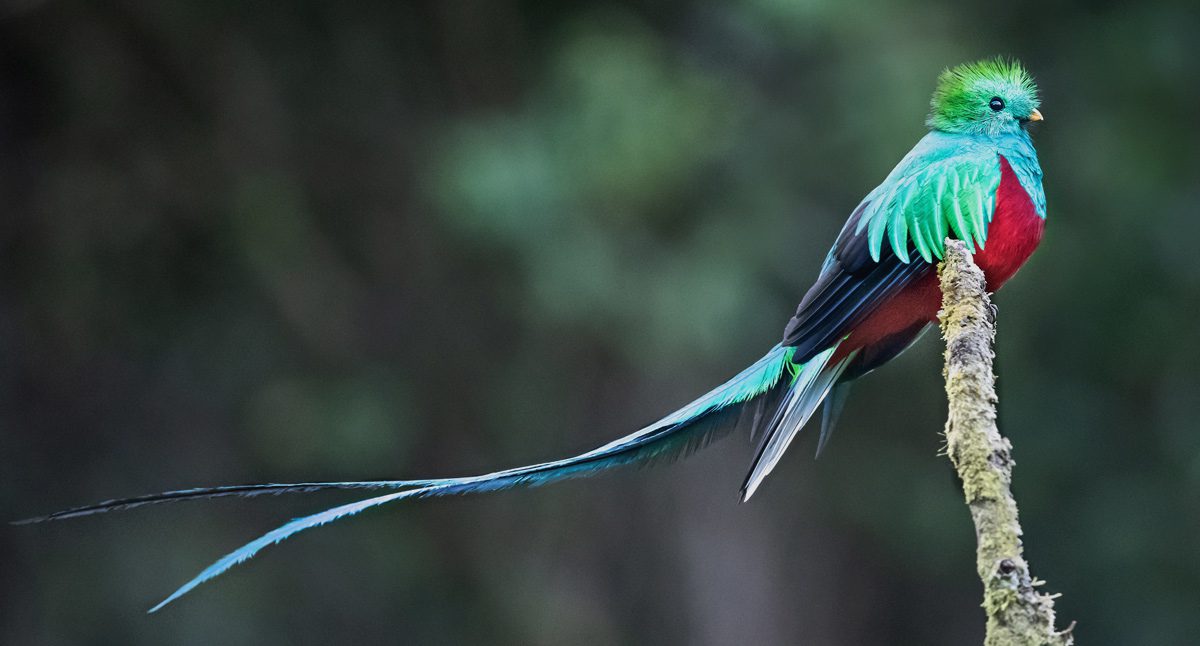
<point x="285" y="241"/>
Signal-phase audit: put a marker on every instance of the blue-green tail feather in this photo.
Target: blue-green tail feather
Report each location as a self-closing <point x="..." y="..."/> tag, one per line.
<point x="680" y="432"/>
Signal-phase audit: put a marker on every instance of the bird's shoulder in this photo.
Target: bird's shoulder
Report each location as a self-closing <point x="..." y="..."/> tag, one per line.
<point x="945" y="186"/>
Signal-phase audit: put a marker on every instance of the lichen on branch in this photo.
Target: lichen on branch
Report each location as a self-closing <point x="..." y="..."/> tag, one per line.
<point x="1017" y="614"/>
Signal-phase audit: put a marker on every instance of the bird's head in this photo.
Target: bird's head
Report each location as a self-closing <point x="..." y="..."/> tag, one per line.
<point x="993" y="96"/>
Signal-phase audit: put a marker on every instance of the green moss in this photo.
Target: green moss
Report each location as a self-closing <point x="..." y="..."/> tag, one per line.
<point x="1016" y="613"/>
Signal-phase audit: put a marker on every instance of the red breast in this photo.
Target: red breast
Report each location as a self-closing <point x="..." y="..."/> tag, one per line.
<point x="1013" y="235"/>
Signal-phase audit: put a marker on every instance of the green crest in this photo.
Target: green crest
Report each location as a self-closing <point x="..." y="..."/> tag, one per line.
<point x="992" y="96"/>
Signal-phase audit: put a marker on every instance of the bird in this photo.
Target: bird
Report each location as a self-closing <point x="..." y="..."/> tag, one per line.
<point x="974" y="177"/>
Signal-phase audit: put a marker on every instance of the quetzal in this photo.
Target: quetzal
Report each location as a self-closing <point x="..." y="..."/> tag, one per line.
<point x="975" y="177"/>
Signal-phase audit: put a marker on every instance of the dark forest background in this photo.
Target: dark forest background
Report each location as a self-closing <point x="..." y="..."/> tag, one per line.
<point x="290" y="241"/>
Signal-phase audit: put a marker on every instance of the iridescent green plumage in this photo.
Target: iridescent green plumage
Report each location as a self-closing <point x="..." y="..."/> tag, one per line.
<point x="947" y="183"/>
<point x="961" y="101"/>
<point x="943" y="188"/>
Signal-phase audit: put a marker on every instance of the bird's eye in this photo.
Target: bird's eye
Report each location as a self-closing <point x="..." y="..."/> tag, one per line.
<point x="996" y="104"/>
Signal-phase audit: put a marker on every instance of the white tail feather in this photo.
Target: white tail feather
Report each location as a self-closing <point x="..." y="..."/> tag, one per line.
<point x="805" y="396"/>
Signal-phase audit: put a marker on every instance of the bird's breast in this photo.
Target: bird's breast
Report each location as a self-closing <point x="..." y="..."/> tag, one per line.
<point x="1014" y="232"/>
<point x="1013" y="235"/>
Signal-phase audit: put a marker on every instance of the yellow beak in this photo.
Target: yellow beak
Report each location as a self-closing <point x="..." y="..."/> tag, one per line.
<point x="1035" y="116"/>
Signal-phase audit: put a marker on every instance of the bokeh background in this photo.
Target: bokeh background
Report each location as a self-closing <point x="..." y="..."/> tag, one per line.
<point x="285" y="241"/>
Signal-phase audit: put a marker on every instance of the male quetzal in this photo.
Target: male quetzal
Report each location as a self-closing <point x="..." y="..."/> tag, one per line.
<point x="974" y="177"/>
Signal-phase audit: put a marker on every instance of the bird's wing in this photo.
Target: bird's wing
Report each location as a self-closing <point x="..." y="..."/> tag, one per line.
<point x="945" y="186"/>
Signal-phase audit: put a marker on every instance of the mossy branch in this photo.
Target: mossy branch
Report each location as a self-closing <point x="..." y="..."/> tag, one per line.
<point x="1017" y="614"/>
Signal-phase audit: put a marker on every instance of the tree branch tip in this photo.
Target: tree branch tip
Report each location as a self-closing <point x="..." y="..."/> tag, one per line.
<point x="982" y="458"/>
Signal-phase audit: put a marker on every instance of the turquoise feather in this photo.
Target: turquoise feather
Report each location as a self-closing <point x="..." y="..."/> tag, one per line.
<point x="946" y="183"/>
<point x="672" y="434"/>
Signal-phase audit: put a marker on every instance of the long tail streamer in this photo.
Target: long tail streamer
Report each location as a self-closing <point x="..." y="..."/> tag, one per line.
<point x="683" y="431"/>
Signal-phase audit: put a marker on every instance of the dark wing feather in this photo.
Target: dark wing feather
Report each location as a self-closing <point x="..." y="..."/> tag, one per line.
<point x="944" y="186"/>
<point x="850" y="287"/>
